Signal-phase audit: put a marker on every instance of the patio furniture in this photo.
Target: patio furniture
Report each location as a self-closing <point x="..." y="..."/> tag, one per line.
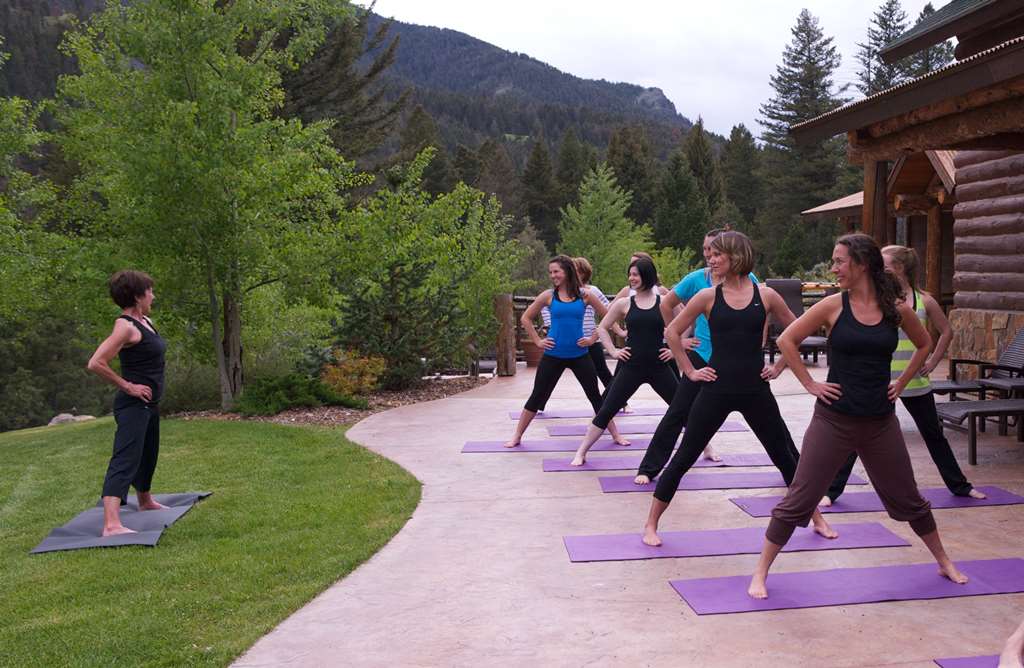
<point x="791" y="291"/>
<point x="953" y="413"/>
<point x="1010" y="364"/>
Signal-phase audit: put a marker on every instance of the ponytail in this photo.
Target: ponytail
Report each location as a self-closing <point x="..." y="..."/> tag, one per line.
<point x="864" y="251"/>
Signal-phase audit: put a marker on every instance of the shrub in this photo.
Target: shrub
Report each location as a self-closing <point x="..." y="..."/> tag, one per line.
<point x="270" y="396"/>
<point x="350" y="374"/>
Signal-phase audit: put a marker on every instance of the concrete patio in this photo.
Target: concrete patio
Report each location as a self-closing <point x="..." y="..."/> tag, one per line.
<point x="479" y="575"/>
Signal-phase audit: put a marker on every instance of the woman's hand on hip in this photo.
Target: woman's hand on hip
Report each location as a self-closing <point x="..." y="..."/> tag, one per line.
<point x="143" y="392"/>
<point x="703" y="375"/>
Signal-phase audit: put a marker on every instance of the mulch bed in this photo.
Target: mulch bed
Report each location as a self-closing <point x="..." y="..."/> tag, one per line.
<point x="331" y="416"/>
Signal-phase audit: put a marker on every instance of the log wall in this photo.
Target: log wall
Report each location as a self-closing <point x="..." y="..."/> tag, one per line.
<point x="988" y="230"/>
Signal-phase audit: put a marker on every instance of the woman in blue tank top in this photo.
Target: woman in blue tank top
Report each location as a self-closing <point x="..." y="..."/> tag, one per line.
<point x="565" y="347"/>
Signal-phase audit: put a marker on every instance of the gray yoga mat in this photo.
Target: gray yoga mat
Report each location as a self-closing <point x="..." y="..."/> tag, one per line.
<point x="696" y="481"/>
<point x="632" y="463"/>
<point x="868" y="502"/>
<point x="555" y="445"/>
<point x="991" y="661"/>
<point x="628" y="546"/>
<point x="85" y="528"/>
<point x="630" y="428"/>
<point x="556" y="413"/>
<point x="848" y="586"/>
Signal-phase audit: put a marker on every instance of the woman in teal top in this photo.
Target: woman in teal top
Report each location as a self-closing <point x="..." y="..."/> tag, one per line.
<point x="917" y="398"/>
<point x="565" y="346"/>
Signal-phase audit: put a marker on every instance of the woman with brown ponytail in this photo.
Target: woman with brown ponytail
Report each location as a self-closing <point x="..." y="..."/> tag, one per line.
<point x="855" y="410"/>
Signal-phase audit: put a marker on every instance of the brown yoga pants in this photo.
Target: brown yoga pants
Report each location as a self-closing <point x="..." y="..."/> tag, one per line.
<point x="828" y="441"/>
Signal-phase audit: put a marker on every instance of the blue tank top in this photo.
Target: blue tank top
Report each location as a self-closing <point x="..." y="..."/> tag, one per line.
<point x="566" y="327"/>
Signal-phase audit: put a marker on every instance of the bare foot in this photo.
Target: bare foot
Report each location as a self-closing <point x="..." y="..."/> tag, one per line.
<point x="825" y="501"/>
<point x="950" y="571"/>
<point x="651" y="536"/>
<point x="709" y="453"/>
<point x="627" y="409"/>
<point x="116" y="531"/>
<point x="641" y="479"/>
<point x="822" y="528"/>
<point x="621" y="441"/>
<point x="757" y="588"/>
<point x="578" y="460"/>
<point x="975" y="494"/>
<point x="514" y="443"/>
<point x="152" y="505"/>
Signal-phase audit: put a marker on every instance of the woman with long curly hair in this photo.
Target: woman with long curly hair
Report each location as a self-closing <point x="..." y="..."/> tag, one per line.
<point x="855" y="406"/>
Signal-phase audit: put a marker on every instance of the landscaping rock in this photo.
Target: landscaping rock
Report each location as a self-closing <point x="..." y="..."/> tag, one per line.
<point x="64" y="418"/>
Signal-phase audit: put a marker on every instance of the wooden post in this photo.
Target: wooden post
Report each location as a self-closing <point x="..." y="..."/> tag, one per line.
<point x="933" y="253"/>
<point x="506" y="344"/>
<point x="874" y="211"/>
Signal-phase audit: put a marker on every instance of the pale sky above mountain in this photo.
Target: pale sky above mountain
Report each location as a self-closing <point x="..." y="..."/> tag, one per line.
<point x="712" y="59"/>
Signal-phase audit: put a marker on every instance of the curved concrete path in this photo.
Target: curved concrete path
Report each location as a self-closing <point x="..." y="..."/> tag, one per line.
<point x="479" y="575"/>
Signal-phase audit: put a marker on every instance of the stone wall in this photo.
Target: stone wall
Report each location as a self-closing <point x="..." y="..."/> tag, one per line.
<point x="982" y="335"/>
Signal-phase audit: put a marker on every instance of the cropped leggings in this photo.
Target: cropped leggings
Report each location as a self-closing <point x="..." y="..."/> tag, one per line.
<point x="671" y="425"/>
<point x="709" y="411"/>
<point x="136" y="447"/>
<point x="922" y="409"/>
<point x="628" y="379"/>
<point x="550" y="369"/>
<point x="831" y="438"/>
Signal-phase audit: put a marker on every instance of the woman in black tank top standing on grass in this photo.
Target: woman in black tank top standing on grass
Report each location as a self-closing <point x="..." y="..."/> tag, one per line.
<point x="736" y="378"/>
<point x="137" y="440"/>
<point x="855" y="407"/>
<point x="644" y="359"/>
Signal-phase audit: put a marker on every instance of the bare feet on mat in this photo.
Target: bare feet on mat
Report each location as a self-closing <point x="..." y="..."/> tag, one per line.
<point x="651" y="536"/>
<point x="709" y="453"/>
<point x="821" y="527"/>
<point x="949" y="570"/>
<point x="1013" y="650"/>
<point x="116" y="531"/>
<point x="147" y="502"/>
<point x="641" y="479"/>
<point x="622" y="440"/>
<point x="825" y="501"/>
<point x="757" y="589"/>
<point x="514" y="443"/>
<point x="627" y="409"/>
<point x="975" y="494"/>
<point x="578" y="460"/>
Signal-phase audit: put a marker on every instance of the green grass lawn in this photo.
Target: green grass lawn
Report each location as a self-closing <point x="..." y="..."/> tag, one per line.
<point x="293" y="510"/>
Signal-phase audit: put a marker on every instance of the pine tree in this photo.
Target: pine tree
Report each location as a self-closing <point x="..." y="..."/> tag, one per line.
<point x="932" y="58"/>
<point x="421" y="131"/>
<point x="467" y="165"/>
<point x="741" y="167"/>
<point x="681" y="218"/>
<point x="630" y="158"/>
<point x="498" y="176"/>
<point x="599" y="229"/>
<point x="888" y="23"/>
<point x="575" y="159"/>
<point x="704" y="165"/>
<point x="540" y="194"/>
<point x="798" y="176"/>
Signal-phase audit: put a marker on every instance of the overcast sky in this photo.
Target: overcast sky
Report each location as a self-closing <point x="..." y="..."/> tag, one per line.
<point x="712" y="59"/>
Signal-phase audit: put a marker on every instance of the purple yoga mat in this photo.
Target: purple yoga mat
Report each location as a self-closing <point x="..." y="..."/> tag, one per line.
<point x="589" y="413"/>
<point x="624" y="463"/>
<point x="970" y="662"/>
<point x="868" y="502"/>
<point x="554" y="445"/>
<point x="848" y="586"/>
<point x="628" y="546"/>
<point x="629" y="428"/>
<point x="692" y="481"/>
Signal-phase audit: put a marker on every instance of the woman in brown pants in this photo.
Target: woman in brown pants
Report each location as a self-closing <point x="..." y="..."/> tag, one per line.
<point x="855" y="407"/>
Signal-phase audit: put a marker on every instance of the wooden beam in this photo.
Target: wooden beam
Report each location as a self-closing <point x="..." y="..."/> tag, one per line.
<point x="1003" y="140"/>
<point x="945" y="133"/>
<point x="933" y="252"/>
<point x="504" y="310"/>
<point x="979" y="39"/>
<point x="913" y="205"/>
<point x="874" y="212"/>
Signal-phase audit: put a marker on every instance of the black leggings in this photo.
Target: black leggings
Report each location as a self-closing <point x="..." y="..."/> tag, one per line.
<point x="628" y="379"/>
<point x="922" y="409"/>
<point x="550" y="369"/>
<point x="667" y="433"/>
<point x="600" y="365"/>
<point x="136" y="447"/>
<point x="709" y="412"/>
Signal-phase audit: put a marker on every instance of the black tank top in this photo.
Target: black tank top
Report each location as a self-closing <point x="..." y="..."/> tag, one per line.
<point x="737" y="353"/>
<point x="861" y="355"/>
<point x="143" y="363"/>
<point x="646" y="335"/>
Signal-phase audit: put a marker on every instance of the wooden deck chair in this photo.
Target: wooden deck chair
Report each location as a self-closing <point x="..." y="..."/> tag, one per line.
<point x="1010" y="364"/>
<point x="791" y="291"/>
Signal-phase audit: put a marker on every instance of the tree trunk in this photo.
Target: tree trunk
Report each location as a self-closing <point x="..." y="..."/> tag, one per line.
<point x="231" y="378"/>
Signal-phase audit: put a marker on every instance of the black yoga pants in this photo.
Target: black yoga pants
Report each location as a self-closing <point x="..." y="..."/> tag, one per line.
<point x="136" y="448"/>
<point x="709" y="411"/>
<point x="922" y="409"/>
<point x="627" y="381"/>
<point x="671" y="425"/>
<point x="550" y="369"/>
<point x="596" y="352"/>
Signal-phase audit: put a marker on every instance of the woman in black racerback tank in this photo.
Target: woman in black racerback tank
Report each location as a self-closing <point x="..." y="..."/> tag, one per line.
<point x="140" y="349"/>
<point x="854" y="408"/>
<point x="736" y="378"/>
<point x="644" y="359"/>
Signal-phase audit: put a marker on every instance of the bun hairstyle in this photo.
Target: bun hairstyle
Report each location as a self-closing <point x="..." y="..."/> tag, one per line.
<point x="739" y="249"/>
<point x="583" y="270"/>
<point x="648" y="274"/>
<point x="908" y="261"/>
<point x="864" y="251"/>
<point x="572" y="280"/>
